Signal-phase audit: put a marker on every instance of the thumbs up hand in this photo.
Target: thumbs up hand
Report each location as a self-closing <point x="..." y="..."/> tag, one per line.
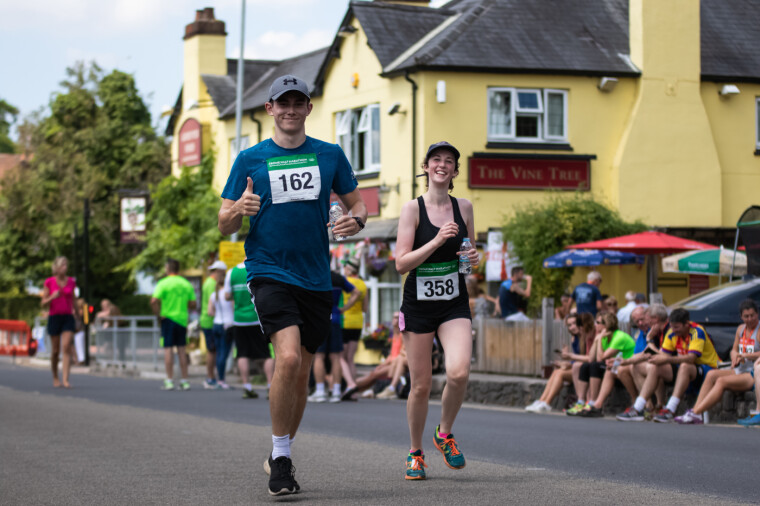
<point x="249" y="203"/>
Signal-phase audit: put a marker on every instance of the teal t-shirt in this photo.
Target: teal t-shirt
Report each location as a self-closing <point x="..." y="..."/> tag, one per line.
<point x="174" y="292"/>
<point x="209" y="286"/>
<point x="620" y="341"/>
<point x="288" y="239"/>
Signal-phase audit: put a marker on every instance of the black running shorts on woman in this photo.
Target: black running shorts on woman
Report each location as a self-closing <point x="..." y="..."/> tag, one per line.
<point x="435" y="292"/>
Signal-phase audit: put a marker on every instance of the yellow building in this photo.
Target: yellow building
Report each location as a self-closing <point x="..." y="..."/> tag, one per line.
<point x="651" y="106"/>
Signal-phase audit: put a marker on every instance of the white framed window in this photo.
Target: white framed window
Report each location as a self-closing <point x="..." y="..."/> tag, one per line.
<point x="357" y="131"/>
<point x="527" y="115"/>
<point x="757" y="118"/>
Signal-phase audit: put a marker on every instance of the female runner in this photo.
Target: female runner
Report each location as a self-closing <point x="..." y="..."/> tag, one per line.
<point x="430" y="232"/>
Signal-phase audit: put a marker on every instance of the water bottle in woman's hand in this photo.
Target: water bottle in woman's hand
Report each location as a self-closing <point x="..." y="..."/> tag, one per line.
<point x="464" y="260"/>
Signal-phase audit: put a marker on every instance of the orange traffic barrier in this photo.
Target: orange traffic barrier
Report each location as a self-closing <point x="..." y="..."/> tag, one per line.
<point x="16" y="338"/>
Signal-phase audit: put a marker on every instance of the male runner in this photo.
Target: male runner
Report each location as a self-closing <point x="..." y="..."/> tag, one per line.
<point x="283" y="184"/>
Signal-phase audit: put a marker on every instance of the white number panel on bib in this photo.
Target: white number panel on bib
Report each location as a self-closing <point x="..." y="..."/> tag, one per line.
<point x="294" y="178"/>
<point x="438" y="281"/>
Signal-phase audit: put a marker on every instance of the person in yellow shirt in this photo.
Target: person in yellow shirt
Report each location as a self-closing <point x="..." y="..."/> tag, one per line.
<point x="686" y="356"/>
<point x="353" y="323"/>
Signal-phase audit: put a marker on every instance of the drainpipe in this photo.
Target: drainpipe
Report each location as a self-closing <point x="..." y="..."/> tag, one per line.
<point x="258" y="124"/>
<point x="414" y="134"/>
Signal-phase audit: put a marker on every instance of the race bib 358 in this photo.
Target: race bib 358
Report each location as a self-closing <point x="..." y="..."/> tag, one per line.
<point x="438" y="281"/>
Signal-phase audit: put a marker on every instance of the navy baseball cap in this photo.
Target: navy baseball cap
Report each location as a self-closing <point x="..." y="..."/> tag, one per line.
<point x="439" y="145"/>
<point x="286" y="83"/>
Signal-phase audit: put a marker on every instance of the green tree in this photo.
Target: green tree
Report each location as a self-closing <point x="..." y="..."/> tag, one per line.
<point x="94" y="140"/>
<point x="537" y="231"/>
<point x="182" y="221"/>
<point x="6" y="110"/>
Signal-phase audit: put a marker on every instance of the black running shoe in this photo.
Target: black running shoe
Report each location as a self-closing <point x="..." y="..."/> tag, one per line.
<point x="282" y="478"/>
<point x="268" y="464"/>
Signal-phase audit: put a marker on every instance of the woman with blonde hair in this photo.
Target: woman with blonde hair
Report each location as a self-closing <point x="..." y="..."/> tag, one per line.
<point x="58" y="293"/>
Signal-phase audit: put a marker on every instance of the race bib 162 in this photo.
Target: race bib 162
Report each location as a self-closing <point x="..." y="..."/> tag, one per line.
<point x="294" y="178"/>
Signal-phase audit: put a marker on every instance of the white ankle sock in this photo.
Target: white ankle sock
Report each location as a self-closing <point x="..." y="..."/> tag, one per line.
<point x="320" y="389"/>
<point x="639" y="404"/>
<point x="672" y="404"/>
<point x="280" y="446"/>
<point x="336" y="390"/>
<point x="591" y="403"/>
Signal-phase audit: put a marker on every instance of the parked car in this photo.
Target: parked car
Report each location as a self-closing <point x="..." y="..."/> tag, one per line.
<point x="717" y="310"/>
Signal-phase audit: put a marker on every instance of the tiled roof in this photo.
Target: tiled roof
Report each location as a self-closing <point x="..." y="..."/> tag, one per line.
<point x="223" y="88"/>
<point x="730" y="40"/>
<point x="306" y="66"/>
<point x="572" y="36"/>
<point x="547" y="36"/>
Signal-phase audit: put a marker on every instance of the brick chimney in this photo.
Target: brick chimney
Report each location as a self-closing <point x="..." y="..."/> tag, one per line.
<point x="205" y="23"/>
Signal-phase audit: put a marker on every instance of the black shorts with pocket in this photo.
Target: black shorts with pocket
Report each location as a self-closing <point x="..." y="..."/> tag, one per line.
<point x="280" y="305"/>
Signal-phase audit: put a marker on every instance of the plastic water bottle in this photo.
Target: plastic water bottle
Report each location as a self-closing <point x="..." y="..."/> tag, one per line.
<point x="336" y="213"/>
<point x="464" y="261"/>
<point x="616" y="363"/>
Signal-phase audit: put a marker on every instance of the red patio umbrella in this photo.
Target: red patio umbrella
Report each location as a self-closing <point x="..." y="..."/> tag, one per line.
<point x="649" y="243"/>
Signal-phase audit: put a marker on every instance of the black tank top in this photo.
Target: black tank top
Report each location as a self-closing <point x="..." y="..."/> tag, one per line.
<point x="436" y="287"/>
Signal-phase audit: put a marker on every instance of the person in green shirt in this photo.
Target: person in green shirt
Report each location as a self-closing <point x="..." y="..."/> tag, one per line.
<point x="172" y="300"/>
<point x="609" y="341"/>
<point x="215" y="278"/>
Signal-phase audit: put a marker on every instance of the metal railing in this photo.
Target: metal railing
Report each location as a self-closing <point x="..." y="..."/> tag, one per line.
<point x="126" y="341"/>
<point x="131" y="341"/>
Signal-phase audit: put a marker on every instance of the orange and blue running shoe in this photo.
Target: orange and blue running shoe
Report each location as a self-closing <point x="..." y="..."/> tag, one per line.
<point x="415" y="466"/>
<point x="448" y="447"/>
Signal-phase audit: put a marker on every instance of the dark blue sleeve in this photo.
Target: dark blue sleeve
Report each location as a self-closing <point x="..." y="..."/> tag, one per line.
<point x="597" y="295"/>
<point x="348" y="287"/>
<point x="503" y="294"/>
<point x="574" y="296"/>
<point x="344" y="181"/>
<point x="237" y="180"/>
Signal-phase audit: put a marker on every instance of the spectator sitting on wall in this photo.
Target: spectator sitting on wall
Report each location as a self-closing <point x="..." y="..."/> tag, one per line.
<point x="740" y="378"/>
<point x="565" y="304"/>
<point x="609" y="341"/>
<point x="616" y="371"/>
<point x="587" y="297"/>
<point x="580" y="326"/>
<point x="686" y="356"/>
<point x="634" y="300"/>
<point x="611" y="304"/>
<point x="481" y="304"/>
<point x="393" y="367"/>
<point x="652" y="324"/>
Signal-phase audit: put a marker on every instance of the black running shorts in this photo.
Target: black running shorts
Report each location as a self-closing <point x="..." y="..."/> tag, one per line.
<point x="280" y="305"/>
<point x="250" y="342"/>
<point x="428" y="324"/>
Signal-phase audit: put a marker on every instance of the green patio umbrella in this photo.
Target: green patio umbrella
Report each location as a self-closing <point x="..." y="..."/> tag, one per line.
<point x="712" y="262"/>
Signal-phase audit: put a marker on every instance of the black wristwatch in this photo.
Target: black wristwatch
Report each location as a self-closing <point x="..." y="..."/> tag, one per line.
<point x="359" y="222"/>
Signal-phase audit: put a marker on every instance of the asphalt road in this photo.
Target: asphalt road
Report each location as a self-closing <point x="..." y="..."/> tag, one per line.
<point x="123" y="441"/>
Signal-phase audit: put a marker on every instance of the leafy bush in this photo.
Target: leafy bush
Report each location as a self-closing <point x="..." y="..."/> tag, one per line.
<point x="540" y="230"/>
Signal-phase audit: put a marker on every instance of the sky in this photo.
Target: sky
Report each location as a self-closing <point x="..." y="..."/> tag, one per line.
<point x="39" y="39"/>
